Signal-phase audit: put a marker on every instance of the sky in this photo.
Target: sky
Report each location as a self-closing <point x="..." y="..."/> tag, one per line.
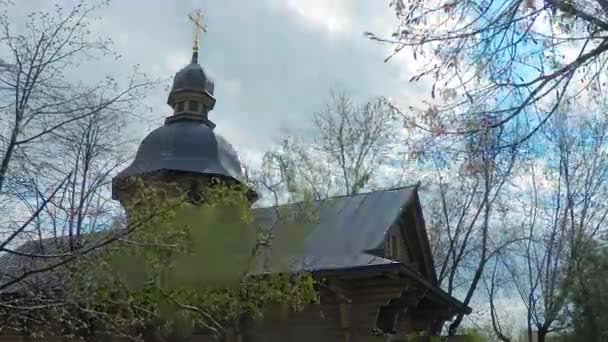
<point x="273" y="61"/>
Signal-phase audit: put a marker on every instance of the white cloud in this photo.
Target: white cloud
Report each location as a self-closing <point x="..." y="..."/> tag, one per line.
<point x="332" y="16"/>
<point x="175" y="61"/>
<point x="272" y="61"/>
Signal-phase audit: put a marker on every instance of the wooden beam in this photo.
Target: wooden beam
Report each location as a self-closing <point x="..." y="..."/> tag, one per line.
<point x="345" y="320"/>
<point x="340" y="290"/>
<point x="345" y="309"/>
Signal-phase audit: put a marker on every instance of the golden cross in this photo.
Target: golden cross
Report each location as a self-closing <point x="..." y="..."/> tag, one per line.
<point x="196" y="19"/>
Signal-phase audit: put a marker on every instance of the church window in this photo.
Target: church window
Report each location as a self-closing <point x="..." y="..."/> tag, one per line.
<point x="180" y="107"/>
<point x="193" y="106"/>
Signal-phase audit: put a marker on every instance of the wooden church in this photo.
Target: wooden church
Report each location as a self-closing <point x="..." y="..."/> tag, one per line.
<point x="370" y="251"/>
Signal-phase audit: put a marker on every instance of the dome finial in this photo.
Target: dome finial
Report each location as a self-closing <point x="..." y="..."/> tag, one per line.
<point x="196" y="18"/>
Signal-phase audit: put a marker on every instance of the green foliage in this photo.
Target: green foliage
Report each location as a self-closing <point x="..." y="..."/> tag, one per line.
<point x="587" y="286"/>
<point x="474" y="335"/>
<point x="189" y="266"/>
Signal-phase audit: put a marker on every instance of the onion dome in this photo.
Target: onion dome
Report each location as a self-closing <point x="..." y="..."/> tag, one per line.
<point x="187" y="141"/>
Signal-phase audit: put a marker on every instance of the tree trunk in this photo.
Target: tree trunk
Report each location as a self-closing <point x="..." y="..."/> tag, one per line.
<point x="541" y="335"/>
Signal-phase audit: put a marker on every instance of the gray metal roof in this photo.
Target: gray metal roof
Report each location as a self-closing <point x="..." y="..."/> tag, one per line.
<point x="12" y="266"/>
<point x="185" y="145"/>
<point x="192" y="78"/>
<point x="340" y="232"/>
<point x="37" y="255"/>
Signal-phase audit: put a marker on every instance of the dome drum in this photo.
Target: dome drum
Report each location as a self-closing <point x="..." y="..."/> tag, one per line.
<point x="190" y="117"/>
<point x="191" y="102"/>
<point x="183" y="95"/>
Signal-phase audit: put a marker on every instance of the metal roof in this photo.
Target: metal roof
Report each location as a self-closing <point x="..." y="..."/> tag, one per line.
<point x="32" y="257"/>
<point x="191" y="78"/>
<point x="185" y="145"/>
<point x="339" y="232"/>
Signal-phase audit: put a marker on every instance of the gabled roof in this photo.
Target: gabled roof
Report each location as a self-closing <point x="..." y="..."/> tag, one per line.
<point x="340" y="229"/>
<point x="343" y="232"/>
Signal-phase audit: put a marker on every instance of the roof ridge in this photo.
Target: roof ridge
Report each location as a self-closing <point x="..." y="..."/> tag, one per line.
<point x="410" y="186"/>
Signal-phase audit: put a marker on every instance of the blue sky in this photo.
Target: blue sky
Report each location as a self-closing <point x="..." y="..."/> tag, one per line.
<point x="273" y="61"/>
